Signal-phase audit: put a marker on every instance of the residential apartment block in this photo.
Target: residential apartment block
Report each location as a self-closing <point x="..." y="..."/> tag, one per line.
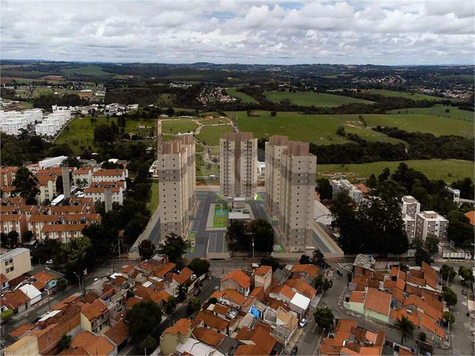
<point x="15" y="263"/>
<point x="345" y="185"/>
<point x="177" y="176"/>
<point x="274" y="149"/>
<point x="410" y="207"/>
<point x="430" y="222"/>
<point x="295" y="195"/>
<point x="238" y="167"/>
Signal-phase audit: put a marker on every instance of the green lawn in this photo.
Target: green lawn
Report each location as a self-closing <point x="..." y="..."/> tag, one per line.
<point x="438" y="110"/>
<point x="176" y="126"/>
<point x="210" y="135"/>
<point x="212" y="121"/>
<point x="80" y="131"/>
<point x="402" y="94"/>
<point x="205" y="169"/>
<point x="447" y="170"/>
<point x="220" y="218"/>
<point x="153" y="203"/>
<point x="244" y="97"/>
<point x="311" y="98"/>
<point x="319" y="129"/>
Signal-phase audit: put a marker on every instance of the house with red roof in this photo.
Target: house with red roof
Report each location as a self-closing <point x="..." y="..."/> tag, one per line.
<point x="238" y="281"/>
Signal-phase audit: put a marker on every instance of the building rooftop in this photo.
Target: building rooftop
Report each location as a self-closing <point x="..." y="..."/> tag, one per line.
<point x="239" y="277"/>
<point x="364" y="261"/>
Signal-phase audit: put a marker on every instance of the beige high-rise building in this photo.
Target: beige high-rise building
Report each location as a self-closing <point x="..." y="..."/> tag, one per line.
<point x="238" y="166"/>
<point x="274" y="149"/>
<point x="177" y="188"/>
<point x="295" y="194"/>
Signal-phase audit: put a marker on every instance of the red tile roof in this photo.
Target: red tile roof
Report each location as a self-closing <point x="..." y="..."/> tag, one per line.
<point x="182" y="326"/>
<point x="309" y="269"/>
<point x="184" y="275"/>
<point x="239" y="277"/>
<point x="263" y="270"/>
<point x="94" y="310"/>
<point x="118" y="333"/>
<point x="208" y="336"/>
<point x="378" y="301"/>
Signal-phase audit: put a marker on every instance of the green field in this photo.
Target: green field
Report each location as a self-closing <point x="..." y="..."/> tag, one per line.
<point x="310" y="98"/>
<point x="210" y="135"/>
<point x="447" y="170"/>
<point x="402" y="94"/>
<point x="319" y="129"/>
<point x="244" y="97"/>
<point x="220" y="218"/>
<point x="438" y="110"/>
<point x="176" y="126"/>
<point x="87" y="70"/>
<point x="153" y="203"/>
<point x="214" y="120"/>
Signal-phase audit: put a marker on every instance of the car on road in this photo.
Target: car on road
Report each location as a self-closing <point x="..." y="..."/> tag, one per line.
<point x="303" y="322"/>
<point x="196" y="292"/>
<point x="340" y="273"/>
<point x="294" y="351"/>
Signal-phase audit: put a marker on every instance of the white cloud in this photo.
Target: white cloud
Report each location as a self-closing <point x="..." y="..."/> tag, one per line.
<point x="247" y="31"/>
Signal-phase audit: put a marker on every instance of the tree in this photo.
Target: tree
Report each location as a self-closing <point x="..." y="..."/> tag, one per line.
<point x="341" y="131"/>
<point x="27" y="236"/>
<point x="273" y="113"/>
<point x="432" y="244"/>
<point x="241" y="236"/>
<point x="75" y="257"/>
<point x="182" y="290"/>
<point x="272" y="262"/>
<point x="423" y="336"/>
<point x="142" y="319"/>
<point x="405" y="327"/>
<point x="263" y="234"/>
<point x="447" y="273"/>
<point x="371" y="182"/>
<point x="466" y="274"/>
<point x="174" y="247"/>
<point x="318" y="259"/>
<point x="12" y="238"/>
<point x="305" y="260"/>
<point x="25" y="183"/>
<point x="324" y="188"/>
<point x="193" y="306"/>
<point x="199" y="266"/>
<point x="449" y="318"/>
<point x="64" y="342"/>
<point x="146" y="249"/>
<point x="6" y="315"/>
<point x="103" y="135"/>
<point x="170" y="305"/>
<point x="422" y="255"/>
<point x="384" y="175"/>
<point x="149" y="344"/>
<point x="460" y="231"/>
<point x="324" y="318"/>
<point x="326" y="285"/>
<point x="450" y="297"/>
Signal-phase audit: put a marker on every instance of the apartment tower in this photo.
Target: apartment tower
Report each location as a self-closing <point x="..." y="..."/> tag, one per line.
<point x="274" y="149"/>
<point x="177" y="188"/>
<point x="238" y="172"/>
<point x="296" y="196"/>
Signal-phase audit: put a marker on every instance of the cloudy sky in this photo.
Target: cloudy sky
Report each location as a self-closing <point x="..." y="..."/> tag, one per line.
<point x="240" y="31"/>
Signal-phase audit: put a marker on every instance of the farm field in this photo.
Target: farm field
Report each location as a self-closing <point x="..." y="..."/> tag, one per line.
<point x="402" y="94"/>
<point x="447" y="170"/>
<point x="311" y="98"/>
<point x="438" y="110"/>
<point x="244" y="97"/>
<point x="154" y="200"/>
<point x="319" y="129"/>
<point x="210" y="135"/>
<point x="176" y="126"/>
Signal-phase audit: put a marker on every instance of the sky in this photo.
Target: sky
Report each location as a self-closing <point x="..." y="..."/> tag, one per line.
<point x="393" y="32"/>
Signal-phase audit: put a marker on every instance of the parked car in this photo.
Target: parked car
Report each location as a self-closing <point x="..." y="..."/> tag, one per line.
<point x="464" y="291"/>
<point x="294" y="351"/>
<point x="196" y="292"/>
<point x="303" y="322"/>
<point x="340" y="273"/>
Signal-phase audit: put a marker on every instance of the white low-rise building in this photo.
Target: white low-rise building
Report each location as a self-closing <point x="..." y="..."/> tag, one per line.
<point x="344" y="184"/>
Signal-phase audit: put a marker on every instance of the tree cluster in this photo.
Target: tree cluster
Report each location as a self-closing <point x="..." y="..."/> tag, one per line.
<point x="242" y="235"/>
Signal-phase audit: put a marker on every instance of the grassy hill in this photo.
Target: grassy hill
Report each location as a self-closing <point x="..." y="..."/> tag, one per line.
<point x="402" y="94"/>
<point x="311" y="98"/>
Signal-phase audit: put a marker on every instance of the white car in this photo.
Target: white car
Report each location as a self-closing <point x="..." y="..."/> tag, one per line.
<point x="303" y="322"/>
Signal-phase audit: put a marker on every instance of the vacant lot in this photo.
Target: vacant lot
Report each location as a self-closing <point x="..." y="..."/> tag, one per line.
<point x="210" y="135"/>
<point x="451" y="112"/>
<point x="176" y="126"/>
<point x="311" y="98"/>
<point x="244" y="97"/>
<point x="402" y="94"/>
<point x="319" y="129"/>
<point x="447" y="170"/>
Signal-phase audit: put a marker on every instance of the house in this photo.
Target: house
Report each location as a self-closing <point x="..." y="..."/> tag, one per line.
<point x="183" y="277"/>
<point x="174" y="335"/>
<point x="194" y="347"/>
<point x="94" y="316"/>
<point x="212" y="321"/>
<point x="33" y="294"/>
<point x="349" y="339"/>
<point x="3" y="281"/>
<point x="307" y="271"/>
<point x="45" y="281"/>
<point x="299" y="285"/>
<point x="259" y="336"/>
<point x="299" y="304"/>
<point x="208" y="336"/>
<point x="237" y="280"/>
<point x="263" y="277"/>
<point x="363" y="265"/>
<point x="118" y="334"/>
<point x="230" y="297"/>
<point x="249" y="350"/>
<point x="93" y="344"/>
<point x="19" y="332"/>
<point x="377" y="305"/>
<point x="26" y="346"/>
<point x="281" y="275"/>
<point x="16" y="301"/>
